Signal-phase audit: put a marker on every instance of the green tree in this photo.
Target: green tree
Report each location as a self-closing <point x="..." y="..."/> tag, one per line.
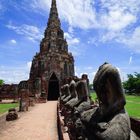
<point x="132" y="85"/>
<point x="1" y="82"/>
<point x="91" y="86"/>
<point x="137" y="82"/>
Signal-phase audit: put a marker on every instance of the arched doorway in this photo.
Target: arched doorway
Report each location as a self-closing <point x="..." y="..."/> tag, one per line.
<point x="53" y="89"/>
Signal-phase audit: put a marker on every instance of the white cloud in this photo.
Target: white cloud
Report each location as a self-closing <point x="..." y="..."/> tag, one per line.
<point x="78" y="13"/>
<point x="71" y="39"/>
<point x="119" y="70"/>
<point x="13" y="41"/>
<point x="29" y="64"/>
<point x="73" y="43"/>
<point x="126" y="5"/>
<point x="130" y="59"/>
<point x="123" y="74"/>
<point x="134" y="41"/>
<point x="111" y="17"/>
<point x="15" y="74"/>
<point x="116" y="17"/>
<point x="40" y="5"/>
<point x="85" y="14"/>
<point x="30" y="32"/>
<point x="117" y="20"/>
<point x="89" y="70"/>
<point x="71" y="30"/>
<point x="131" y="40"/>
<point x="91" y="76"/>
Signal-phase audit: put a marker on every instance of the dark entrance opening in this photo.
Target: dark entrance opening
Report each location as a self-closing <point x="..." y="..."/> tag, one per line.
<point x="53" y="90"/>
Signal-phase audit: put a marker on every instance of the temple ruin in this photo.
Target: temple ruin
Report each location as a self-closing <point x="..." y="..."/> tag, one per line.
<point x="53" y="63"/>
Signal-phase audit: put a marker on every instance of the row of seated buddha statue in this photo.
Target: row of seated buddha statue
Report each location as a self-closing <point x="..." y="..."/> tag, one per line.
<point x="105" y="120"/>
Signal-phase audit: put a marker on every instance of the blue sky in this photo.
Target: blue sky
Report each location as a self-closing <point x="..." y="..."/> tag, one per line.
<point x="96" y="31"/>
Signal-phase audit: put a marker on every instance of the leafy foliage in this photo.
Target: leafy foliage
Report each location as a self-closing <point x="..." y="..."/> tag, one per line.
<point x="91" y="86"/>
<point x="132" y="85"/>
<point x="1" y="82"/>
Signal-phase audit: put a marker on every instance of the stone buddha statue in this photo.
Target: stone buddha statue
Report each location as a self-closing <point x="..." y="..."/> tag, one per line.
<point x="109" y="121"/>
<point x="72" y="92"/>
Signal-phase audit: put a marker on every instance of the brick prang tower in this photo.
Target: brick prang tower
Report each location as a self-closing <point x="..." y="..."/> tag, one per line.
<point x="53" y="63"/>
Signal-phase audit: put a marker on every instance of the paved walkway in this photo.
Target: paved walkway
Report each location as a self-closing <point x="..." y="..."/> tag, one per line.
<point x="40" y="123"/>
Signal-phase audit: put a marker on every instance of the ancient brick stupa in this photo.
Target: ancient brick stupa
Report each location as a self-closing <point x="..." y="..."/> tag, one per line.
<point x="53" y="63"/>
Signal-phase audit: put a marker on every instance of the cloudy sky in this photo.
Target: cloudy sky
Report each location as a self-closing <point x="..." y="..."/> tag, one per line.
<point x="96" y="31"/>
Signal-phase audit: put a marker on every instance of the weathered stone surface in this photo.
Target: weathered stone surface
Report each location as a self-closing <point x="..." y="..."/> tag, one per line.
<point x="53" y="57"/>
<point x="82" y="95"/>
<point x="53" y="65"/>
<point x="79" y="103"/>
<point x="66" y="92"/>
<point x="71" y="92"/>
<point x="12" y="115"/>
<point x="135" y="125"/>
<point x="109" y="121"/>
<point x="72" y="88"/>
<point x="9" y="91"/>
<point x="24" y="101"/>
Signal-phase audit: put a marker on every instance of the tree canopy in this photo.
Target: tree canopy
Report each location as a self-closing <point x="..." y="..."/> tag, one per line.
<point x="132" y="85"/>
<point x="1" y="82"/>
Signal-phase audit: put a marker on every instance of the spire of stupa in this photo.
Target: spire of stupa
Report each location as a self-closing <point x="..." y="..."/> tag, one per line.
<point x="53" y="17"/>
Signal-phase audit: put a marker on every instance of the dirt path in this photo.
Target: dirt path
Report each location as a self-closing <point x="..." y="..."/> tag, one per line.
<point x="38" y="124"/>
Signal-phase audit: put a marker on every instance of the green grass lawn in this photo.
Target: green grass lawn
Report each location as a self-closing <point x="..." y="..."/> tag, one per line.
<point x="5" y="107"/>
<point x="132" y="105"/>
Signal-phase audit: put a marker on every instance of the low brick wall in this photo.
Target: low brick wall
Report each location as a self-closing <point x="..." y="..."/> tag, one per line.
<point x="60" y="124"/>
